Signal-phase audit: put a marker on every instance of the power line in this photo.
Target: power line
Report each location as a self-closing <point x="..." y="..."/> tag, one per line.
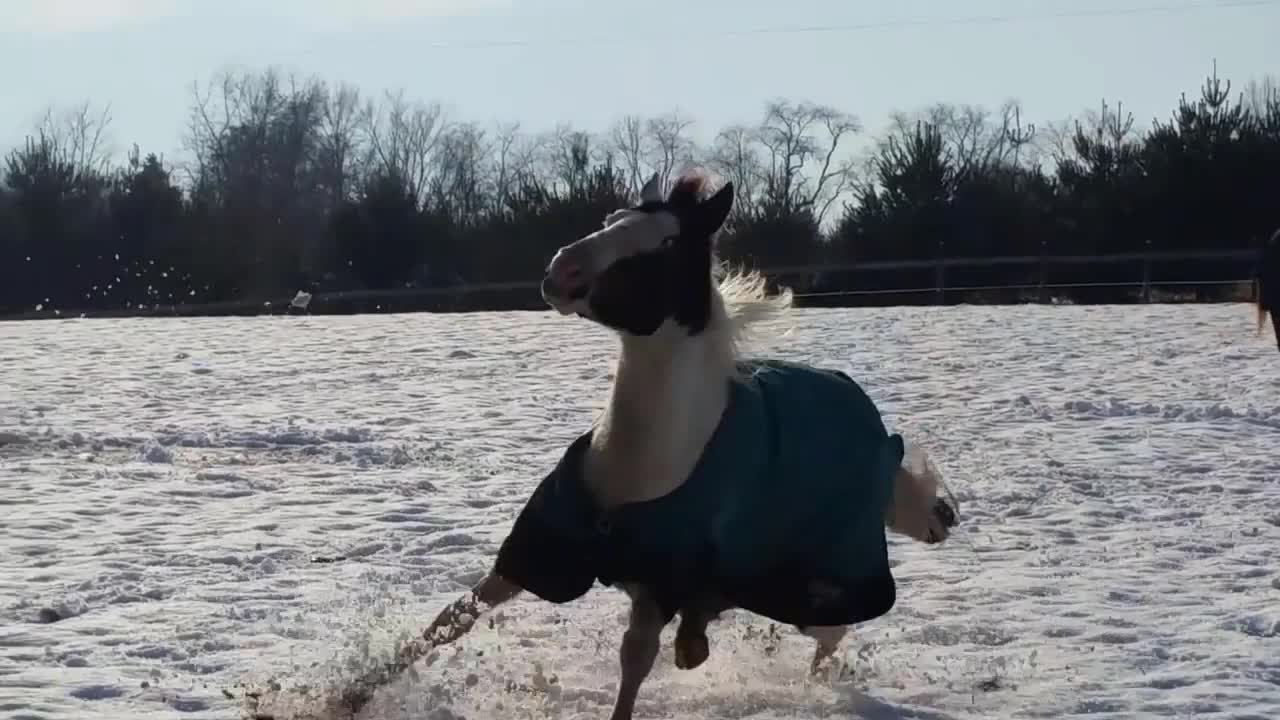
<point x="1161" y="9"/>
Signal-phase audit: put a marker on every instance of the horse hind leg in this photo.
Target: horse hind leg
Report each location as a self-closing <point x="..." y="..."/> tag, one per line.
<point x="917" y="510"/>
<point x="692" y="648"/>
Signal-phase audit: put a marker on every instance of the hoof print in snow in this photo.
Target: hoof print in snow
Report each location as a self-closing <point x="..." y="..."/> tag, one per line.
<point x="990" y="685"/>
<point x="48" y="616"/>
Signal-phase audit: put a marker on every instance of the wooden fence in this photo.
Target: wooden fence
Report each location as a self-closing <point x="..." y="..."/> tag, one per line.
<point x="1234" y="268"/>
<point x="819" y="284"/>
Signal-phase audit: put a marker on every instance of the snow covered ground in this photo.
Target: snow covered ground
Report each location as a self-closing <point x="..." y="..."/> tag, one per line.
<point x="166" y="484"/>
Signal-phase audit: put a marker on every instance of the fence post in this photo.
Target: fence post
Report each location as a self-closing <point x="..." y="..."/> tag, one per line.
<point x="940" y="274"/>
<point x="1044" y="273"/>
<point x="1146" y="279"/>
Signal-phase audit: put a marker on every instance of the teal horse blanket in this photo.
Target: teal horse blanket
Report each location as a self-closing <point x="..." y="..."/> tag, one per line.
<point x="782" y="516"/>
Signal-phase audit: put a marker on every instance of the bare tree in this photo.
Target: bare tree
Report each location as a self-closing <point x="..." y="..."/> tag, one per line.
<point x="461" y="169"/>
<point x="735" y="155"/>
<point x="78" y="137"/>
<point x="1105" y="127"/>
<point x="245" y="125"/>
<point x="964" y="130"/>
<point x="340" y="151"/>
<point x="1055" y="140"/>
<point x="670" y="148"/>
<point x="292" y="142"/>
<point x="1102" y="145"/>
<point x="567" y="155"/>
<point x="207" y="124"/>
<point x="264" y="159"/>
<point x="975" y="137"/>
<point x="1260" y="96"/>
<point x="627" y="140"/>
<point x="510" y="160"/>
<point x="403" y="137"/>
<point x="805" y="170"/>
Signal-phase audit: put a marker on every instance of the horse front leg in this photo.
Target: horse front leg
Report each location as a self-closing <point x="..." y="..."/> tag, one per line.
<point x="828" y="638"/>
<point x="457" y="618"/>
<point x="639" y="649"/>
<point x="454" y="621"/>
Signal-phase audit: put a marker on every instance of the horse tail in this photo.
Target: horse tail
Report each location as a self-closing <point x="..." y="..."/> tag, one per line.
<point x="1263" y="309"/>
<point x="1267" y="285"/>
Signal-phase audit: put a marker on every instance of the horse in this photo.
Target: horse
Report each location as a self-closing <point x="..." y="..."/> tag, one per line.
<point x="709" y="482"/>
<point x="1268" y="286"/>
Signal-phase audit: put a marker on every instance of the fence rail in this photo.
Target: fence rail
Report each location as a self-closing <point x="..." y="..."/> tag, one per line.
<point x="1113" y="258"/>
<point x="1041" y="265"/>
<point x="1027" y="286"/>
<point x="524" y="293"/>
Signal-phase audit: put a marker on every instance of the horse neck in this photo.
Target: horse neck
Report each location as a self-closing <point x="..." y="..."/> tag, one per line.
<point x="669" y="393"/>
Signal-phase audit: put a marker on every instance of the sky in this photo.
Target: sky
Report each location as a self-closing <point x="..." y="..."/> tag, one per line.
<point x="589" y="62"/>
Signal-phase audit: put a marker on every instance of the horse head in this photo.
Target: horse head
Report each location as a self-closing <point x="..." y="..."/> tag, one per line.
<point x="650" y="264"/>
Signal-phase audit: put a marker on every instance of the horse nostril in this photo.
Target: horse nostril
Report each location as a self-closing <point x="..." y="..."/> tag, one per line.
<point x="557" y="285"/>
<point x="566" y="272"/>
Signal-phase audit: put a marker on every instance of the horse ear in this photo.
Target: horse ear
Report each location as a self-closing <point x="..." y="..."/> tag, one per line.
<point x="710" y="214"/>
<point x="652" y="191"/>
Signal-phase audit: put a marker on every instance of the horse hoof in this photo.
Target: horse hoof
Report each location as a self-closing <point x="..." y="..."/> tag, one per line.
<point x="691" y="651"/>
<point x="944" y="512"/>
<point x="944" y="518"/>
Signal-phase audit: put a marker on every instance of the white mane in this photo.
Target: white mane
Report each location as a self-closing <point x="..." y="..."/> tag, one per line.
<point x="747" y="304"/>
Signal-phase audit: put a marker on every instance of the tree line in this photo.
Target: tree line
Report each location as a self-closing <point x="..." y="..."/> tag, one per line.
<point x="291" y="184"/>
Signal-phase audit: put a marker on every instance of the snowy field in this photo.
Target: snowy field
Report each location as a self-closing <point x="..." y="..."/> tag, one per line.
<point x="166" y="486"/>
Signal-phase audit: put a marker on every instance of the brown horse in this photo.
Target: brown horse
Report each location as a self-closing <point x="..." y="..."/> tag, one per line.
<point x="1269" y="286"/>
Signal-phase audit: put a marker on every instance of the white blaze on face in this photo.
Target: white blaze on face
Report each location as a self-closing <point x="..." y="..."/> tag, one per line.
<point x="626" y="233"/>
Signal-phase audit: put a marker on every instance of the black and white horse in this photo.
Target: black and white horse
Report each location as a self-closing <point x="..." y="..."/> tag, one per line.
<point x="1269" y="286"/>
<point x="709" y="482"/>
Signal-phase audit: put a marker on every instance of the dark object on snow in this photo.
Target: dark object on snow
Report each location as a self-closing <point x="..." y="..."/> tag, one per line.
<point x="325" y="559"/>
<point x="1269" y="286"/>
